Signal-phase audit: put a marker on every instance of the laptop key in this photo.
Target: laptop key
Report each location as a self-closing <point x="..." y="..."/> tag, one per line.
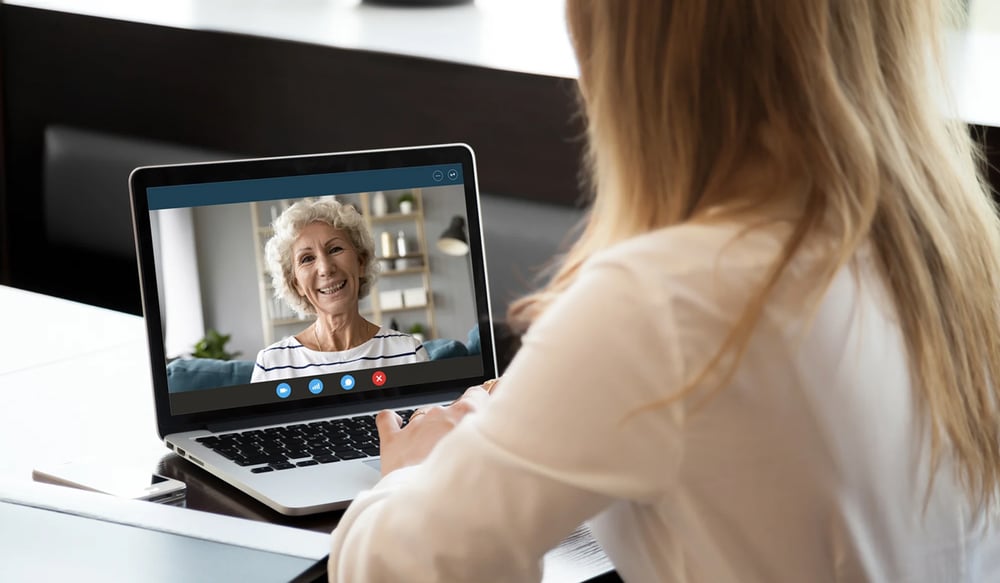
<point x="287" y="447"/>
<point x="228" y="453"/>
<point x="305" y="463"/>
<point x="262" y="469"/>
<point x="261" y="459"/>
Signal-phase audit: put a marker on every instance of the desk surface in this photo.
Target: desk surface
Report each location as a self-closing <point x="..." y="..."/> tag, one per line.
<point x="75" y="385"/>
<point x="75" y="380"/>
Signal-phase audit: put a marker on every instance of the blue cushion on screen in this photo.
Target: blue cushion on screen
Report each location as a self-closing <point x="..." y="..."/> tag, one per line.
<point x="444" y="348"/>
<point x="192" y="374"/>
<point x="472" y="343"/>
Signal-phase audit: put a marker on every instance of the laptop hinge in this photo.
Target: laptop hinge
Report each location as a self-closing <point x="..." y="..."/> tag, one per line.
<point x="339" y="411"/>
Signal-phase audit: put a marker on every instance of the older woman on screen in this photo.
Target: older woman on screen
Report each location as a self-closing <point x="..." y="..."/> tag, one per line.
<point x="321" y="261"/>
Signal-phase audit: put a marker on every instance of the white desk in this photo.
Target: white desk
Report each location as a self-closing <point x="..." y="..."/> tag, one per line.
<point x="74" y="382"/>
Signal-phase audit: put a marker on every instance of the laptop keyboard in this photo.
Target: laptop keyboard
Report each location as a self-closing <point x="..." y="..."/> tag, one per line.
<point x="304" y="444"/>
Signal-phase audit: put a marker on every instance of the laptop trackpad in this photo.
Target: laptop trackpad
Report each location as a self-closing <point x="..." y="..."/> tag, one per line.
<point x="375" y="465"/>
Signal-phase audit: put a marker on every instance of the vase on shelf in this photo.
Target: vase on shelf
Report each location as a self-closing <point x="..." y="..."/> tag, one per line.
<point x="401" y="249"/>
<point x="405" y="203"/>
<point x="379" y="204"/>
<point x="386" y="262"/>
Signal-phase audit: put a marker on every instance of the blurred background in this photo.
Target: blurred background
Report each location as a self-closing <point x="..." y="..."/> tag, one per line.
<point x="90" y="89"/>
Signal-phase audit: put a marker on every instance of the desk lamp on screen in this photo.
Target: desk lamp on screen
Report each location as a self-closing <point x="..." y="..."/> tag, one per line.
<point x="453" y="240"/>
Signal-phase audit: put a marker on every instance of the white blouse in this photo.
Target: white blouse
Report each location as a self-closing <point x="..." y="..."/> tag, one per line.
<point x="809" y="465"/>
<point x="290" y="358"/>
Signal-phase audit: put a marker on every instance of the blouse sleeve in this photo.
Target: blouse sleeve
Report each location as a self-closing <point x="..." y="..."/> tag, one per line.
<point x="258" y="373"/>
<point x="563" y="437"/>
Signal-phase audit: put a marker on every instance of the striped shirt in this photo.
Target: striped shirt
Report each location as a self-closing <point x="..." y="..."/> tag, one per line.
<point x="289" y="358"/>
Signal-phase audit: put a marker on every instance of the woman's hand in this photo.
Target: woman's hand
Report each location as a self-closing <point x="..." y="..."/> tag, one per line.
<point x="410" y="445"/>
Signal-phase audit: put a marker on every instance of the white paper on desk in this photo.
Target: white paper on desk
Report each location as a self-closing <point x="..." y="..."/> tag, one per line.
<point x="577" y="558"/>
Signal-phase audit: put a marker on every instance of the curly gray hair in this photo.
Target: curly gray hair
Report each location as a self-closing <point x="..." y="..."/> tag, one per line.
<point x="278" y="250"/>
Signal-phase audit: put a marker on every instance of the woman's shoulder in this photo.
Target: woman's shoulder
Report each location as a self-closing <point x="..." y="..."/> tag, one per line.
<point x="387" y="334"/>
<point x="715" y="267"/>
<point x="286" y="343"/>
<point x="693" y="248"/>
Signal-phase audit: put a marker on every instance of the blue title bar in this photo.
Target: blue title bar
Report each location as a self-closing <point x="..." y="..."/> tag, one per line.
<point x="261" y="189"/>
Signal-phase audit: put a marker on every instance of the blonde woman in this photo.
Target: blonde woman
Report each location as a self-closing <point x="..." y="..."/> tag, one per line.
<point x="772" y="354"/>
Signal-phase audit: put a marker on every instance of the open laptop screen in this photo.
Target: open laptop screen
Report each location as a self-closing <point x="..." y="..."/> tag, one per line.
<point x="205" y="277"/>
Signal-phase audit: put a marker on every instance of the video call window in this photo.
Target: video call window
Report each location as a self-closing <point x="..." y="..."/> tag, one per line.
<point x="419" y="300"/>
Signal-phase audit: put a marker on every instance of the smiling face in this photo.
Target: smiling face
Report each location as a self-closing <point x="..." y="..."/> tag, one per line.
<point x="327" y="269"/>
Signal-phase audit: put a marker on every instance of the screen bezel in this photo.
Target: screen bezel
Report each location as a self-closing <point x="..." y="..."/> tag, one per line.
<point x="146" y="177"/>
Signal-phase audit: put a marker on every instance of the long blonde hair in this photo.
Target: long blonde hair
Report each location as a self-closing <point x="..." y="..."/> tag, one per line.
<point x="676" y="94"/>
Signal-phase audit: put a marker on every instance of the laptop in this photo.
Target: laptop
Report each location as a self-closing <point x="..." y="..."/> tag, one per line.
<point x="304" y="440"/>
